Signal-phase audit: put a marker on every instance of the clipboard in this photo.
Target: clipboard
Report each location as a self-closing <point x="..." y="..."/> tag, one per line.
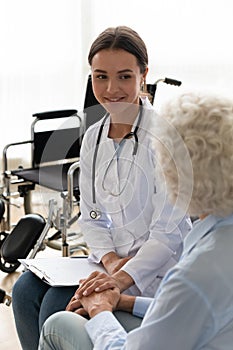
<point x="61" y="271"/>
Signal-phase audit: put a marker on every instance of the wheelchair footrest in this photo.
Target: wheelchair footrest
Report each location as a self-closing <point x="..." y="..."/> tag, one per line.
<point x="23" y="237"/>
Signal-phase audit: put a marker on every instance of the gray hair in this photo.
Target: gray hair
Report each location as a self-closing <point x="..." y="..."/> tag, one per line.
<point x="203" y="125"/>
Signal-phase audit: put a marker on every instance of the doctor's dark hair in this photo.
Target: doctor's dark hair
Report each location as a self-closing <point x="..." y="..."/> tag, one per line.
<point x="123" y="38"/>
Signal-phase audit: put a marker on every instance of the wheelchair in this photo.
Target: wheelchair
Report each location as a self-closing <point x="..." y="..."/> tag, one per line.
<point x="55" y="155"/>
<point x="53" y="151"/>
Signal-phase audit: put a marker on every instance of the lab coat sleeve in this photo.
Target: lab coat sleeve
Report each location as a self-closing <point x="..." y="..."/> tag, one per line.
<point x="163" y="248"/>
<point x="96" y="232"/>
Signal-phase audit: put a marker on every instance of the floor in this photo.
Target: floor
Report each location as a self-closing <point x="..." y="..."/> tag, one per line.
<point x="8" y="335"/>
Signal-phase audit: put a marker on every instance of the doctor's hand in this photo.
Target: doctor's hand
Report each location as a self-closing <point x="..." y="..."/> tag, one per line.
<point x="95" y="282"/>
<point x="113" y="263"/>
<point x="99" y="282"/>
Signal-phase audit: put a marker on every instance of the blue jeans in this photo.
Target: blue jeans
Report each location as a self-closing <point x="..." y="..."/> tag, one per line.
<point x="66" y="330"/>
<point x="33" y="301"/>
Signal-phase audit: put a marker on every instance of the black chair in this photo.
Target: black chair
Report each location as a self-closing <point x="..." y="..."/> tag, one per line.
<point x="2" y="210"/>
<point x="55" y="145"/>
<point x="53" y="151"/>
<point x="93" y="111"/>
<point x="54" y="165"/>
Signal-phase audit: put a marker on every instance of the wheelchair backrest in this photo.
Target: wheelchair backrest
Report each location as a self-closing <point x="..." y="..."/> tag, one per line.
<point x="93" y="111"/>
<point x="55" y="137"/>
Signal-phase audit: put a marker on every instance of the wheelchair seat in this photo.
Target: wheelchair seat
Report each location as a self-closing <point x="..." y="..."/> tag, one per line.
<point x="53" y="177"/>
<point x="53" y="151"/>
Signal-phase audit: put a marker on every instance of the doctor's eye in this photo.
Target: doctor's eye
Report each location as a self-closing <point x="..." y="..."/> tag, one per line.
<point x="125" y="76"/>
<point x="101" y="77"/>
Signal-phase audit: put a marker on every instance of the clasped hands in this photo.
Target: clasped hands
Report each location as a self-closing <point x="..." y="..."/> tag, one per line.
<point x="99" y="292"/>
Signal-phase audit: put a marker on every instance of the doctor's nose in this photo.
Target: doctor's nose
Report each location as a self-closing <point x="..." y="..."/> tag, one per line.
<point x="112" y="86"/>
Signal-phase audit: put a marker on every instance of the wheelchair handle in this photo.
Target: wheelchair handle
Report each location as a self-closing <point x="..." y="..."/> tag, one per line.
<point x="172" y="81"/>
<point x="64" y="113"/>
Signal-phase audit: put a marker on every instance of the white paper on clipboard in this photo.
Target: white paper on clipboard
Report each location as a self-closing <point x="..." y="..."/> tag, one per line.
<point x="61" y="271"/>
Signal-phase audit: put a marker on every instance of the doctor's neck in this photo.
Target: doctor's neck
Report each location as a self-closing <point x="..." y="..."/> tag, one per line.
<point x="121" y="123"/>
<point x="117" y="131"/>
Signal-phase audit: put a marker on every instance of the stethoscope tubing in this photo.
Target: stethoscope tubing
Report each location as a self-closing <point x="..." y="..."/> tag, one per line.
<point x="95" y="213"/>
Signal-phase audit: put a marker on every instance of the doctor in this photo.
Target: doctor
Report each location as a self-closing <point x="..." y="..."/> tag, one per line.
<point x="126" y="219"/>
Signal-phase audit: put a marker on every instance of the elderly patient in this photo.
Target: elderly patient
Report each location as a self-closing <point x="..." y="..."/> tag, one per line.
<point x="193" y="308"/>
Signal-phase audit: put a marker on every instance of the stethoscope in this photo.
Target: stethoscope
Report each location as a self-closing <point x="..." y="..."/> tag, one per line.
<point x="95" y="214"/>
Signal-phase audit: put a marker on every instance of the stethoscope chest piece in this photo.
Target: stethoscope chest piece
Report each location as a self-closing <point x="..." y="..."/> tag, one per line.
<point x="95" y="214"/>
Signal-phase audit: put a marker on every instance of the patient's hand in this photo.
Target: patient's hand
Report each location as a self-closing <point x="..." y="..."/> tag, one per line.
<point x="95" y="302"/>
<point x="95" y="282"/>
<point x="98" y="302"/>
<point x="76" y="306"/>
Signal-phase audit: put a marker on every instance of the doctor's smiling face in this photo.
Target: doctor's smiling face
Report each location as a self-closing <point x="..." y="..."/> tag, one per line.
<point x="116" y="79"/>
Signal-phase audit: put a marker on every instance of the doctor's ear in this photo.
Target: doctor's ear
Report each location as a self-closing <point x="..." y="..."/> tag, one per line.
<point x="143" y="77"/>
<point x="145" y="73"/>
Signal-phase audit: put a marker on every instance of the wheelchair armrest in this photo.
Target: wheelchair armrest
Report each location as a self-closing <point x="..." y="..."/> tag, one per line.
<point x="65" y="113"/>
<point x="5" y="163"/>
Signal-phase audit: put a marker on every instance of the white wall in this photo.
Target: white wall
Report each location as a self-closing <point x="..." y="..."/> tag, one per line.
<point x="190" y="40"/>
<point x="44" y="46"/>
<point x="39" y="62"/>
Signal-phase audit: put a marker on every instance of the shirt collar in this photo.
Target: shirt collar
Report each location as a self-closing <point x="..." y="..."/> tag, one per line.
<point x="202" y="227"/>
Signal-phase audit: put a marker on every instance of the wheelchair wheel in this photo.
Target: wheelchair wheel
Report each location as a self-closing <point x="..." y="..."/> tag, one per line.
<point x="4" y="265"/>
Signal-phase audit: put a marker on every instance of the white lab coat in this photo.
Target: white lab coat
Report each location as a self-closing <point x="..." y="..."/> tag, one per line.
<point x="138" y="222"/>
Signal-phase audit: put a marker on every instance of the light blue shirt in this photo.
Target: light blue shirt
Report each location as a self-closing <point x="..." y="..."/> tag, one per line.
<point x="193" y="308"/>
